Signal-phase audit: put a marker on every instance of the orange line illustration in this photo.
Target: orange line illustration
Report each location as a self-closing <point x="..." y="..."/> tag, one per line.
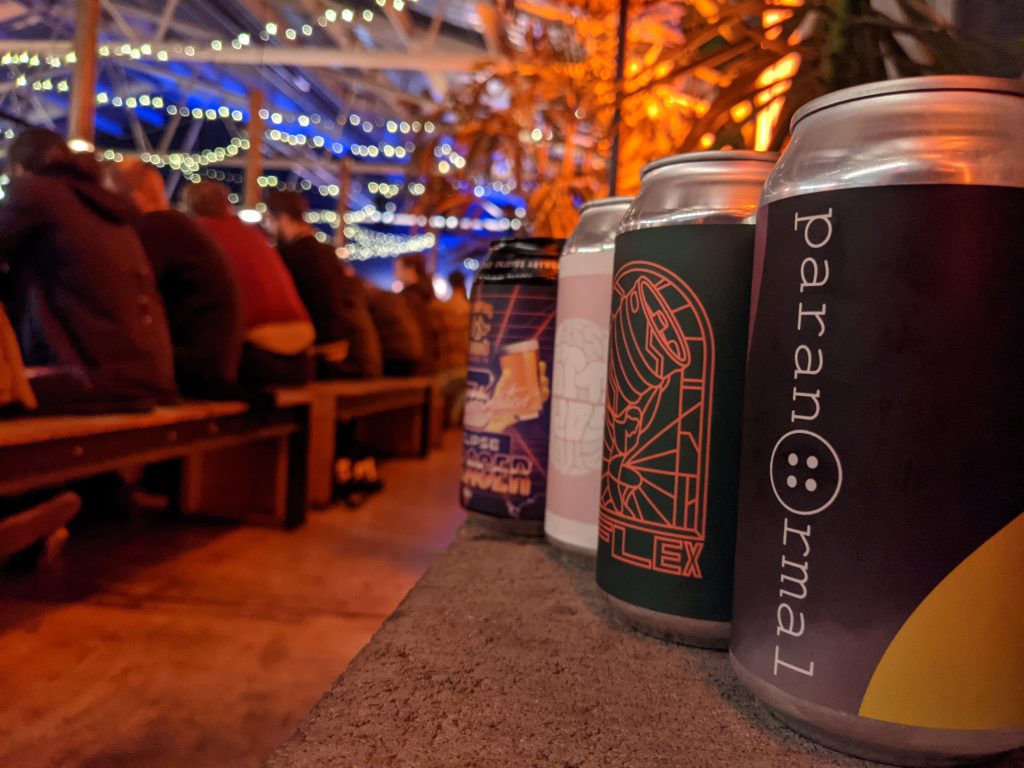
<point x="658" y="426"/>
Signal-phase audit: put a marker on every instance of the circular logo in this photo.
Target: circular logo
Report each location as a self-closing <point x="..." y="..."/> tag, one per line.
<point x="805" y="472"/>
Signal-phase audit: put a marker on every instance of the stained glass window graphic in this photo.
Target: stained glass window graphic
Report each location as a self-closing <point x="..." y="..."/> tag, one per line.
<point x="658" y="430"/>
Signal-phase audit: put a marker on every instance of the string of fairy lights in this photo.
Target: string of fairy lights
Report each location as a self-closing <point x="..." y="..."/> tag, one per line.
<point x="315" y="132"/>
<point x="321" y="132"/>
<point x="224" y="112"/>
<point x="365" y="244"/>
<point x="311" y="121"/>
<point x="270" y="32"/>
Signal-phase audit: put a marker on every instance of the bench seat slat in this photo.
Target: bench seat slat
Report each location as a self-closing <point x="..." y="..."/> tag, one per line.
<point x="60" y="459"/>
<point x="29" y="430"/>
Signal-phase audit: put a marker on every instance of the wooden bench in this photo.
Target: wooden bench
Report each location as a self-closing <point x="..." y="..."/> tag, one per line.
<point x="405" y="401"/>
<point x="235" y="462"/>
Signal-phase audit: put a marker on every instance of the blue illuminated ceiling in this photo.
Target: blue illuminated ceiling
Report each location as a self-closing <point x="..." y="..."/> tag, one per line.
<point x="172" y="112"/>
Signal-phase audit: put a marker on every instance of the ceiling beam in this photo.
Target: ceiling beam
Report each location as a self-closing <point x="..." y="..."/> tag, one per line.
<point x="400" y="23"/>
<point x="430" y="40"/>
<point x="494" y="33"/>
<point x="437" y="61"/>
<point x="362" y="85"/>
<point x="187" y="31"/>
<point x="345" y="40"/>
<point x="170" y="6"/>
<point x="114" y="12"/>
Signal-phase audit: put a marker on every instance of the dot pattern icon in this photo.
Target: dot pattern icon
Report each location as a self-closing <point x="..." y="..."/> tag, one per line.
<point x="805" y="471"/>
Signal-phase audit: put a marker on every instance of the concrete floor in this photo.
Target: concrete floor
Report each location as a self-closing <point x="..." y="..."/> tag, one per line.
<point x="181" y="644"/>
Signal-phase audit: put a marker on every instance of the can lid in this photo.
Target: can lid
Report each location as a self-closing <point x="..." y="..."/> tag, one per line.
<point x="909" y="85"/>
<point x="529" y="246"/>
<point x="606" y="201"/>
<point x="714" y="155"/>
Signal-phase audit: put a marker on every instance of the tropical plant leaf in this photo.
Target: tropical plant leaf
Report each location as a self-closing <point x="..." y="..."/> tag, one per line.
<point x="698" y="74"/>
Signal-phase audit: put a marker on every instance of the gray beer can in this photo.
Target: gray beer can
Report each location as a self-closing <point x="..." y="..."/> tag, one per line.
<point x="879" y="596"/>
<point x="679" y="321"/>
<point x="579" y="378"/>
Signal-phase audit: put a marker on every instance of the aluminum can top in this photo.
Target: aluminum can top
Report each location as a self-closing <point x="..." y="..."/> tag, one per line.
<point x="699" y="188"/>
<point x="595" y="232"/>
<point x="944" y="129"/>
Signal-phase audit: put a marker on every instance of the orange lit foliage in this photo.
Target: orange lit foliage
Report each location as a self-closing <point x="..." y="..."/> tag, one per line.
<point x="699" y="74"/>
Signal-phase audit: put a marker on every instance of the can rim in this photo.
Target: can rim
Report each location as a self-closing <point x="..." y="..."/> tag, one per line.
<point x="606" y="201"/>
<point x="535" y="244"/>
<point x="527" y="241"/>
<point x="908" y="85"/>
<point x="712" y="155"/>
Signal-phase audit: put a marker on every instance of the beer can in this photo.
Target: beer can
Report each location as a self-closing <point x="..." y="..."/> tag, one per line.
<point x="680" y="314"/>
<point x="879" y="598"/>
<point x="579" y="378"/>
<point x="508" y="389"/>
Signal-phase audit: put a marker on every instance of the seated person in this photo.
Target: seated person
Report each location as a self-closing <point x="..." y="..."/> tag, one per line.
<point x="418" y="292"/>
<point x="197" y="282"/>
<point x="456" y="325"/>
<point x="401" y="340"/>
<point x="278" y="331"/>
<point x="336" y="301"/>
<point x="82" y="295"/>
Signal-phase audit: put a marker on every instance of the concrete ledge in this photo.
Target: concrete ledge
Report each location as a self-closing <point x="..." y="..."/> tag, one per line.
<point x="505" y="655"/>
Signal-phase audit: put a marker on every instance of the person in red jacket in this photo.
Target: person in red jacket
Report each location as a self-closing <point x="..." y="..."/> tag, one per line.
<point x="278" y="331"/>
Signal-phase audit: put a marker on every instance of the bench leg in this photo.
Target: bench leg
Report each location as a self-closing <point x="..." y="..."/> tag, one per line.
<point x="323" y="430"/>
<point x="297" y="473"/>
<point x="250" y="482"/>
<point x="427" y="417"/>
<point x="437" y="406"/>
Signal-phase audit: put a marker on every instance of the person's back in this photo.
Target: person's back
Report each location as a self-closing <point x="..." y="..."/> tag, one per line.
<point x="418" y="293"/>
<point x="400" y="336"/>
<point x="277" y="326"/>
<point x="336" y="302"/>
<point x="456" y="316"/>
<point x="426" y="315"/>
<point x="86" y="296"/>
<point x="202" y="299"/>
<point x="196" y="281"/>
<point x="268" y="291"/>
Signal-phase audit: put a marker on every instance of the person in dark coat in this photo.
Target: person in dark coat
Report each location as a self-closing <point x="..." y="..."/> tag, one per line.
<point x="346" y="338"/>
<point x="82" y="294"/>
<point x="400" y="338"/>
<point x="197" y="282"/>
<point x="418" y="291"/>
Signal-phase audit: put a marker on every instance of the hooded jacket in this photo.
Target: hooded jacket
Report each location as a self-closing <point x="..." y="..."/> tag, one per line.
<point x="84" y="296"/>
